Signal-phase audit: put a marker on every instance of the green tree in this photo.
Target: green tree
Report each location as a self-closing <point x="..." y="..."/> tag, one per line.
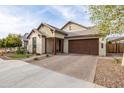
<point x="13" y="40"/>
<point x="2" y="43"/>
<point x="109" y="19"/>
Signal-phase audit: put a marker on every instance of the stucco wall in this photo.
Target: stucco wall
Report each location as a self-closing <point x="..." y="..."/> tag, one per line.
<point x="38" y="42"/>
<point x="41" y="41"/>
<point x="43" y="44"/>
<point x="58" y="35"/>
<point x="29" y="46"/>
<point x="46" y="31"/>
<point x="102" y="51"/>
<point x="74" y="27"/>
<point x="49" y="45"/>
<point x="22" y="43"/>
<point x="65" y="45"/>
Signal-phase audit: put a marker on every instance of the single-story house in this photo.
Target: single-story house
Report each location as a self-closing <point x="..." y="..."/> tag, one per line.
<point x="25" y="40"/>
<point x="71" y="38"/>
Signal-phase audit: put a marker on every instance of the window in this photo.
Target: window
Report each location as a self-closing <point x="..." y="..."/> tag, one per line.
<point x="101" y="45"/>
<point x="34" y="42"/>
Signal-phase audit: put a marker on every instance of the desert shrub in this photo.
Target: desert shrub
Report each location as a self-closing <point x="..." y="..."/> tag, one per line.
<point x="1" y="53"/>
<point x="109" y="42"/>
<point x="47" y="55"/>
<point x="36" y="58"/>
<point x="117" y="60"/>
<point x="37" y="53"/>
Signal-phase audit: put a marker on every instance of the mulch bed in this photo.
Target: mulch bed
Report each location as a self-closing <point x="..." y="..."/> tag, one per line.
<point x="109" y="73"/>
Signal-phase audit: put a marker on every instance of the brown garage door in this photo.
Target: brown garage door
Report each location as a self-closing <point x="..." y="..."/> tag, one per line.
<point x="84" y="46"/>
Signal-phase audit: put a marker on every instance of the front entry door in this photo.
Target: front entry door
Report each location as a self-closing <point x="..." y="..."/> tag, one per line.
<point x="34" y="46"/>
<point x="59" y="45"/>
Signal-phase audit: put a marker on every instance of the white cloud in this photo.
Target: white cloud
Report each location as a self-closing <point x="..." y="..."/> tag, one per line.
<point x="75" y="13"/>
<point x="66" y="12"/>
<point x="25" y="19"/>
<point x="16" y="24"/>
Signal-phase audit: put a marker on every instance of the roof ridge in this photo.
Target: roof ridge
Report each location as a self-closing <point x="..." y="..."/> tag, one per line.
<point x="73" y="23"/>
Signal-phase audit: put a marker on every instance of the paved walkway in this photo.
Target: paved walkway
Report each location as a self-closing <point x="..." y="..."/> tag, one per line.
<point x="78" y="66"/>
<point x="15" y="73"/>
<point x="1" y="59"/>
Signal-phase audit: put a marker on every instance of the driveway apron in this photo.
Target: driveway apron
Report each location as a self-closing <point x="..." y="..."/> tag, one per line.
<point x="78" y="66"/>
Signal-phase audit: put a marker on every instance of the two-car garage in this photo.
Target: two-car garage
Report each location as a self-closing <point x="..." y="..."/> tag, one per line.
<point x="84" y="46"/>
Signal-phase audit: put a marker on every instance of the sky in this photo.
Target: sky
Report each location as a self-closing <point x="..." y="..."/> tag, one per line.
<point x="21" y="19"/>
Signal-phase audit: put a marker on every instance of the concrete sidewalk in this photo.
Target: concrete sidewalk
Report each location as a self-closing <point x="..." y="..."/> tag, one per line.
<point x="1" y="59"/>
<point x="20" y="74"/>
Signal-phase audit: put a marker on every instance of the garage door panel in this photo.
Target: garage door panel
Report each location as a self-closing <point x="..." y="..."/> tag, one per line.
<point x="84" y="46"/>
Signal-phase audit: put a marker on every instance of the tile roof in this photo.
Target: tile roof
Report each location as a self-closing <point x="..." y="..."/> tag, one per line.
<point x="53" y="28"/>
<point x="73" y="23"/>
<point x="87" y="32"/>
<point x="82" y="33"/>
<point x="24" y="37"/>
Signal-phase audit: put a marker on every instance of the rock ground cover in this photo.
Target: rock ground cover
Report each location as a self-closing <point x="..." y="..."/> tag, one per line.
<point x="109" y="73"/>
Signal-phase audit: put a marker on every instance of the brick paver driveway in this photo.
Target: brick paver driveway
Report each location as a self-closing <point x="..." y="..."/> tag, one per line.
<point x="79" y="66"/>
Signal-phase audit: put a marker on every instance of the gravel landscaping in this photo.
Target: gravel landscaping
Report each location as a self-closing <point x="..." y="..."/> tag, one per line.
<point x="109" y="73"/>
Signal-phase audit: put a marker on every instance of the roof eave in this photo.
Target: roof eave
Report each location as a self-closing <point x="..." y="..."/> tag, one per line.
<point x="73" y="23"/>
<point x="31" y="33"/>
<point x="61" y="32"/>
<point x="93" y="35"/>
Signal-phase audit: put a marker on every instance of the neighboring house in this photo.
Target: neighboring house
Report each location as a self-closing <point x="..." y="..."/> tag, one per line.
<point x="25" y="40"/>
<point x="117" y="39"/>
<point x="71" y="38"/>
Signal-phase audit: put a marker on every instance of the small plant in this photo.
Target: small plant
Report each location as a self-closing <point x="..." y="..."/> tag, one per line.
<point x="37" y="54"/>
<point x="36" y="58"/>
<point x="117" y="60"/>
<point x="27" y="56"/>
<point x="21" y="50"/>
<point x="47" y="55"/>
<point x="109" y="42"/>
<point x="2" y="53"/>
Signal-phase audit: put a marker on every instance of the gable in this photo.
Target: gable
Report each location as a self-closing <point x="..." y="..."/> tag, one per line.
<point x="51" y="31"/>
<point x="45" y="30"/>
<point x="34" y="32"/>
<point x="73" y="27"/>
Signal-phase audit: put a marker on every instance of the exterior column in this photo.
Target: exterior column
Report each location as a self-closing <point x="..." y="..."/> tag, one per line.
<point x="54" y="45"/>
<point x="45" y="45"/>
<point x="62" y="45"/>
<point x="102" y="47"/>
